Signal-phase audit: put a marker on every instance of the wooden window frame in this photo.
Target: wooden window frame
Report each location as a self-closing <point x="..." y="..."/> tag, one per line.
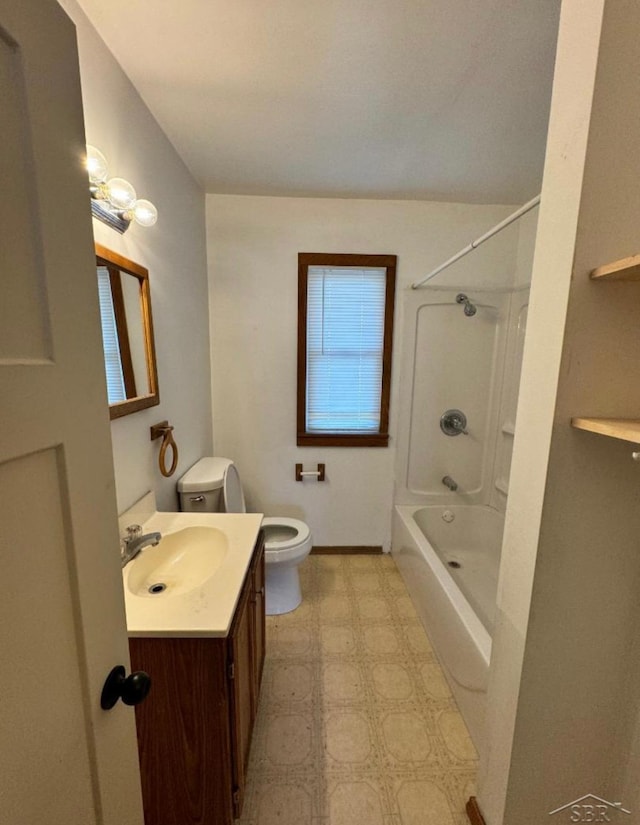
<point x="381" y="438"/>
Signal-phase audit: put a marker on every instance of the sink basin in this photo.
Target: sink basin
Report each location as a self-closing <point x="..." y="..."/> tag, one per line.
<point x="181" y="562"/>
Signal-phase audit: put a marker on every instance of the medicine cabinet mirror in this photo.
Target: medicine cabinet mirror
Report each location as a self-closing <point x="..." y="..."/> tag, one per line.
<point x="127" y="333"/>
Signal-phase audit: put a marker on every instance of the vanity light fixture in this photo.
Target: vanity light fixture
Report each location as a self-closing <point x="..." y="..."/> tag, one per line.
<point x="114" y="200"/>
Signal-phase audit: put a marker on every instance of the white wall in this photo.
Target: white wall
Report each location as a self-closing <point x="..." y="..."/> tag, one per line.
<point x="174" y="251"/>
<point x="563" y="694"/>
<point x="253" y="244"/>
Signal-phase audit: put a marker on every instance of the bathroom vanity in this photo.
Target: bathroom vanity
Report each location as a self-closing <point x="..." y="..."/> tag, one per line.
<point x="204" y="651"/>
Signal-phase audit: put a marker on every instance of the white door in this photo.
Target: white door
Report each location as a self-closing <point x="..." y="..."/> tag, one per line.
<point x="63" y="760"/>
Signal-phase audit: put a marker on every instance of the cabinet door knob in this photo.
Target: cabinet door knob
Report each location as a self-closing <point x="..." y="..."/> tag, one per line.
<point x="131" y="689"/>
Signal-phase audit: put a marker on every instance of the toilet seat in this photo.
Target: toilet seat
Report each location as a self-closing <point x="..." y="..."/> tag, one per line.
<point x="216" y="482"/>
<point x="288" y="547"/>
<point x="232" y="489"/>
<point x="290" y="539"/>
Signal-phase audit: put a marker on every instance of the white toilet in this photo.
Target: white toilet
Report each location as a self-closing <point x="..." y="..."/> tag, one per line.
<point x="213" y="485"/>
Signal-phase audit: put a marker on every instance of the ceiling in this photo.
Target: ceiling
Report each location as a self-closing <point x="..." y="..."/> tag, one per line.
<point x="431" y="99"/>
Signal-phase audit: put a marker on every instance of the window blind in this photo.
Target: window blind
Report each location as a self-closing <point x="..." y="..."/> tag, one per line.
<point x="345" y="344"/>
<point x="113" y="366"/>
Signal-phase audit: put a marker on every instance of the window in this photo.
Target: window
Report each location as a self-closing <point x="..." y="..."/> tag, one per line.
<point x="113" y="365"/>
<point x="345" y="330"/>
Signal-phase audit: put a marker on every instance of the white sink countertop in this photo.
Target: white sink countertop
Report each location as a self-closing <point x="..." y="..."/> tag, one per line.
<point x="206" y="609"/>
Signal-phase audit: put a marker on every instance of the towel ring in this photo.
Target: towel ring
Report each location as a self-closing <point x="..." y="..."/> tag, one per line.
<point x="165" y="431"/>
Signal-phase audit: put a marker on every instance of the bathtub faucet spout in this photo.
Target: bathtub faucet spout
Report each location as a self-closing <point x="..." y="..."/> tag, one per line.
<point x="450" y="483"/>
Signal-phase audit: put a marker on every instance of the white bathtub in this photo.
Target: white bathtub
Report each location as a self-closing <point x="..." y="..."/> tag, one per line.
<point x="456" y="605"/>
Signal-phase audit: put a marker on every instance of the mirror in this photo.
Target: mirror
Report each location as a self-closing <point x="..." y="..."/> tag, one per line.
<point x="127" y="333"/>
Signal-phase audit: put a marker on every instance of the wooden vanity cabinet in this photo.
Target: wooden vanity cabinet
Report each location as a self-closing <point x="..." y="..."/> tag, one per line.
<point x="258" y="624"/>
<point x="246" y="658"/>
<point x="194" y="728"/>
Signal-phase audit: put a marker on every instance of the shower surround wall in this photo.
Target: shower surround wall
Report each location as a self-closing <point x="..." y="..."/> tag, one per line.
<point x="516" y="328"/>
<point x="471" y="363"/>
<point x="452" y="361"/>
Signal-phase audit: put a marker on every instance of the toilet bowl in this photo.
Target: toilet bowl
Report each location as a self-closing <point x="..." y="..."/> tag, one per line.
<point x="213" y="485"/>
<point x="287" y="543"/>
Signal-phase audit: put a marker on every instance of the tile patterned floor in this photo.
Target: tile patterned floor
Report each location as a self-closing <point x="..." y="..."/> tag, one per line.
<point x="356" y="724"/>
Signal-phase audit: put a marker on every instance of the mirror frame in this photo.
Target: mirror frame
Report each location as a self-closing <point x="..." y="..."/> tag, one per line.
<point x="110" y="259"/>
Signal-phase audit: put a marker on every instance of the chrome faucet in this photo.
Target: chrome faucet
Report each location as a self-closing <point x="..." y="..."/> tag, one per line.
<point x="450" y="483"/>
<point x="134" y="542"/>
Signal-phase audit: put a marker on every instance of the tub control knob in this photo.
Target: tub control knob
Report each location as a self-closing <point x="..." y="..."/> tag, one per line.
<point x="454" y="422"/>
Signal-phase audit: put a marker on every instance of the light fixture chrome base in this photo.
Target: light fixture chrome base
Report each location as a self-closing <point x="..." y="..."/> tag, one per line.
<point x="101" y="211"/>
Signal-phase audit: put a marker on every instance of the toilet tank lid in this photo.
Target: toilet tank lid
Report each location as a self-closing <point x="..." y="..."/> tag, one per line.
<point x="206" y="474"/>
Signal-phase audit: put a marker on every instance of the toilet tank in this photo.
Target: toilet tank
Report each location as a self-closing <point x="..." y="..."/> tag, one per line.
<point x="200" y="488"/>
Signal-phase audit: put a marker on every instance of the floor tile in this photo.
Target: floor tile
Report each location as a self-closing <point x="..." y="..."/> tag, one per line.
<point x="392" y="681"/>
<point x="356" y="724"/>
<point x="347" y="738"/>
<point x="338" y="640"/>
<point x="341" y="682"/>
<point x="356" y="801"/>
<point x="289" y="739"/>
<point x="423" y="802"/>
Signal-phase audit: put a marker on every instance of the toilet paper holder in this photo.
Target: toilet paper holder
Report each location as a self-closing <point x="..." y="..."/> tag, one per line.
<point x="302" y="474"/>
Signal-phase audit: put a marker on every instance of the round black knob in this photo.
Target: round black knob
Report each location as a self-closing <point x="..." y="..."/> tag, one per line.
<point x="131" y="689"/>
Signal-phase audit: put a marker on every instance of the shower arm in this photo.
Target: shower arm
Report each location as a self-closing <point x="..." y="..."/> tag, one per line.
<point x="527" y="207"/>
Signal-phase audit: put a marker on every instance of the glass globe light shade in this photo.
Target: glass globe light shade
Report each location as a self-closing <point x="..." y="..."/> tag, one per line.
<point x="121" y="194"/>
<point x="96" y="165"/>
<point x="145" y="213"/>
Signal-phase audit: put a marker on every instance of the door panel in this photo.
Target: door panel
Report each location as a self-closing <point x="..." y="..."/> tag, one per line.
<point x="62" y="612"/>
<point x="21" y="261"/>
<point x="37" y="635"/>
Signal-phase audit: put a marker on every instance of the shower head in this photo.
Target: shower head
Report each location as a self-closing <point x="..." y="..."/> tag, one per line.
<point x="469" y="308"/>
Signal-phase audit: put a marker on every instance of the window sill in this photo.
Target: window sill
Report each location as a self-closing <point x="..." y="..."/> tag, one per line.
<point x="343" y="440"/>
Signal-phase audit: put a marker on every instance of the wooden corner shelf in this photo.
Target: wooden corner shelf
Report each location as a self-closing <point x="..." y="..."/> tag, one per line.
<point x="625" y="429"/>
<point x="626" y="269"/>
